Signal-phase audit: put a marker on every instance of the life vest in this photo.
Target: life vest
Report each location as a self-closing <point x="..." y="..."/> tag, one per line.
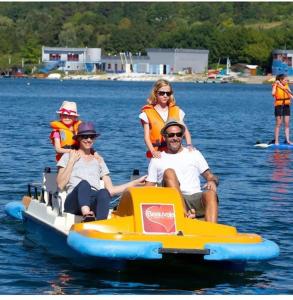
<point x="66" y="135"/>
<point x="282" y="95"/>
<point x="156" y="124"/>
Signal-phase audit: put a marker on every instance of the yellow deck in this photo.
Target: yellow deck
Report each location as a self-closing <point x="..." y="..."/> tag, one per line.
<point x="142" y="209"/>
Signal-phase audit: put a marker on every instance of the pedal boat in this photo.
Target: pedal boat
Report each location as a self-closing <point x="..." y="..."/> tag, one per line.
<point x="148" y="224"/>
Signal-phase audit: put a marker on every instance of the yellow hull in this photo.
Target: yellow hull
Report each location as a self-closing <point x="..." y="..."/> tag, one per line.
<point x="154" y="215"/>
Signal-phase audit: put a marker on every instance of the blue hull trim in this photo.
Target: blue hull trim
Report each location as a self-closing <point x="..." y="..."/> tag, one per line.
<point x="14" y="210"/>
<point x="114" y="249"/>
<point x="242" y="252"/>
<point x="93" y="253"/>
<point x="281" y="146"/>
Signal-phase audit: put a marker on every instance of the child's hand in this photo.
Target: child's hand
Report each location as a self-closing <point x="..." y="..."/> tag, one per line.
<point x="74" y="155"/>
<point x="190" y="147"/>
<point x="156" y="154"/>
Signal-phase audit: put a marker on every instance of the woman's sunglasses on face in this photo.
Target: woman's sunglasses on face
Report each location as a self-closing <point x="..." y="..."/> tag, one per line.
<point x="162" y="93"/>
<point x="89" y="136"/>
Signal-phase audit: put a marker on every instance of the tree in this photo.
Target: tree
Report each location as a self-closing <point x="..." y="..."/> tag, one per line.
<point x="68" y="36"/>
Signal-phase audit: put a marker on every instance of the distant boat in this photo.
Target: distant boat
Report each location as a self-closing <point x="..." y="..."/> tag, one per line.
<point x="219" y="75"/>
<point x="54" y="76"/>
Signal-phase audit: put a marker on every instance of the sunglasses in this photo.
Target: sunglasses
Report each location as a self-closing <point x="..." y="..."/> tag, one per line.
<point x="162" y="93"/>
<point x="67" y="116"/>
<point x="89" y="136"/>
<point x="172" y="134"/>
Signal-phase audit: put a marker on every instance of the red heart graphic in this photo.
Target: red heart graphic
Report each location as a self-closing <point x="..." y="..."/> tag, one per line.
<point x="161" y="214"/>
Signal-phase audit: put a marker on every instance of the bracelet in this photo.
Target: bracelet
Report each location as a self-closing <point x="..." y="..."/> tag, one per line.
<point x="215" y="180"/>
<point x="188" y="145"/>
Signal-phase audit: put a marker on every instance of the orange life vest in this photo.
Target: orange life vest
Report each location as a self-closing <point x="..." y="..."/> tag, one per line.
<point x="66" y="135"/>
<point x="282" y="95"/>
<point x="156" y="123"/>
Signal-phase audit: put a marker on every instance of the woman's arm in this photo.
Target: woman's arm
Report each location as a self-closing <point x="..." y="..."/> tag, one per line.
<point x="64" y="174"/>
<point x="118" y="189"/>
<point x="187" y="136"/>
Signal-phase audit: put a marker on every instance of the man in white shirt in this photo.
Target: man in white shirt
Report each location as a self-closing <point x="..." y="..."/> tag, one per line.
<point x="180" y="168"/>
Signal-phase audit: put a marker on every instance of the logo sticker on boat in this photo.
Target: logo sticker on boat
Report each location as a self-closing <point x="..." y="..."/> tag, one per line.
<point x="158" y="218"/>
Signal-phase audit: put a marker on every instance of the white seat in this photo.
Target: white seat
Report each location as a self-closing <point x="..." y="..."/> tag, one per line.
<point x="51" y="190"/>
<point x="57" y="197"/>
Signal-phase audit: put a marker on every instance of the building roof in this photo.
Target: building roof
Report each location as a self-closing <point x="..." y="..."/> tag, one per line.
<point x="177" y="50"/>
<point x="279" y="51"/>
<point x="251" y="67"/>
<point x="64" y="50"/>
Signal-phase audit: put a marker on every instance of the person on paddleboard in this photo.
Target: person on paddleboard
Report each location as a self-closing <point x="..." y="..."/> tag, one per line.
<point x="282" y="95"/>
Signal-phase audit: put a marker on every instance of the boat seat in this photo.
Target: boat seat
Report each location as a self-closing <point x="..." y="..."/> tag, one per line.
<point x="52" y="195"/>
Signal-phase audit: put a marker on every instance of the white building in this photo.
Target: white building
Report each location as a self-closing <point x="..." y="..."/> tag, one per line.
<point x="71" y="59"/>
<point x="159" y="61"/>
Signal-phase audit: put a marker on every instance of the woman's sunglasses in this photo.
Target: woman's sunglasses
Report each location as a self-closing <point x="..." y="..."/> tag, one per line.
<point x="172" y="134"/>
<point x="162" y="93"/>
<point x="89" y="136"/>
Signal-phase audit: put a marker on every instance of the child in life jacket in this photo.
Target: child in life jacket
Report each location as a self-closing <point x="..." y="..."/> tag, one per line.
<point x="160" y="108"/>
<point x="283" y="95"/>
<point x="65" y="128"/>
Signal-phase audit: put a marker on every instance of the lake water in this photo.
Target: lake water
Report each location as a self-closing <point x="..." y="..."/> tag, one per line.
<point x="225" y="120"/>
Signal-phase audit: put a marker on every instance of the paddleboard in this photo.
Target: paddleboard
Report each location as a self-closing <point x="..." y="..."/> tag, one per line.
<point x="281" y="146"/>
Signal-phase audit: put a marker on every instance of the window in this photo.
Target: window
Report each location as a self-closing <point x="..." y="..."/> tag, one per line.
<point x="109" y="66"/>
<point x="54" y="56"/>
<point x="72" y="57"/>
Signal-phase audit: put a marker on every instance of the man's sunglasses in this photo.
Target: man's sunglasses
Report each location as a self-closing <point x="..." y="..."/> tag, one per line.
<point x="89" y="136"/>
<point x="172" y="134"/>
<point x="162" y="93"/>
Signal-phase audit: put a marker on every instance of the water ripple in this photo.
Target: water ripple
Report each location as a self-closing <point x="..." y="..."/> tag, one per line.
<point x="225" y="121"/>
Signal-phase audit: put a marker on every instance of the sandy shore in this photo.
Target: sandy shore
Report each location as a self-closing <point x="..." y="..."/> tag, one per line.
<point x="171" y="78"/>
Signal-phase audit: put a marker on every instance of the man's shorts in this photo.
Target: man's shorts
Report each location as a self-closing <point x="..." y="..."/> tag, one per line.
<point x="282" y="110"/>
<point x="195" y="201"/>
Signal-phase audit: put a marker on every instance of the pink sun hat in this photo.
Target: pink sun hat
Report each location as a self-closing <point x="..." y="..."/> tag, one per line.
<point x="68" y="108"/>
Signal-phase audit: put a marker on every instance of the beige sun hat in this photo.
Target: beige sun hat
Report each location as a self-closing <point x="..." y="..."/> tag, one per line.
<point x="172" y="122"/>
<point x="68" y="108"/>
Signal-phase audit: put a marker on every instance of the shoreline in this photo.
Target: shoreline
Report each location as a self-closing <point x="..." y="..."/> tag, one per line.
<point x="196" y="78"/>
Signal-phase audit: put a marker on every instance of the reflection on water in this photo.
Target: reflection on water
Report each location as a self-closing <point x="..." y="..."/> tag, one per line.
<point x="58" y="285"/>
<point x="282" y="174"/>
<point x="192" y="280"/>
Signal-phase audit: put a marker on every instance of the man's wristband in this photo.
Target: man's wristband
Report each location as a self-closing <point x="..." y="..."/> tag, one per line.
<point x="215" y="180"/>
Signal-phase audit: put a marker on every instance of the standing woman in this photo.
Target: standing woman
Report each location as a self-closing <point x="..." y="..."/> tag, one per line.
<point x="283" y="95"/>
<point x="160" y="108"/>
